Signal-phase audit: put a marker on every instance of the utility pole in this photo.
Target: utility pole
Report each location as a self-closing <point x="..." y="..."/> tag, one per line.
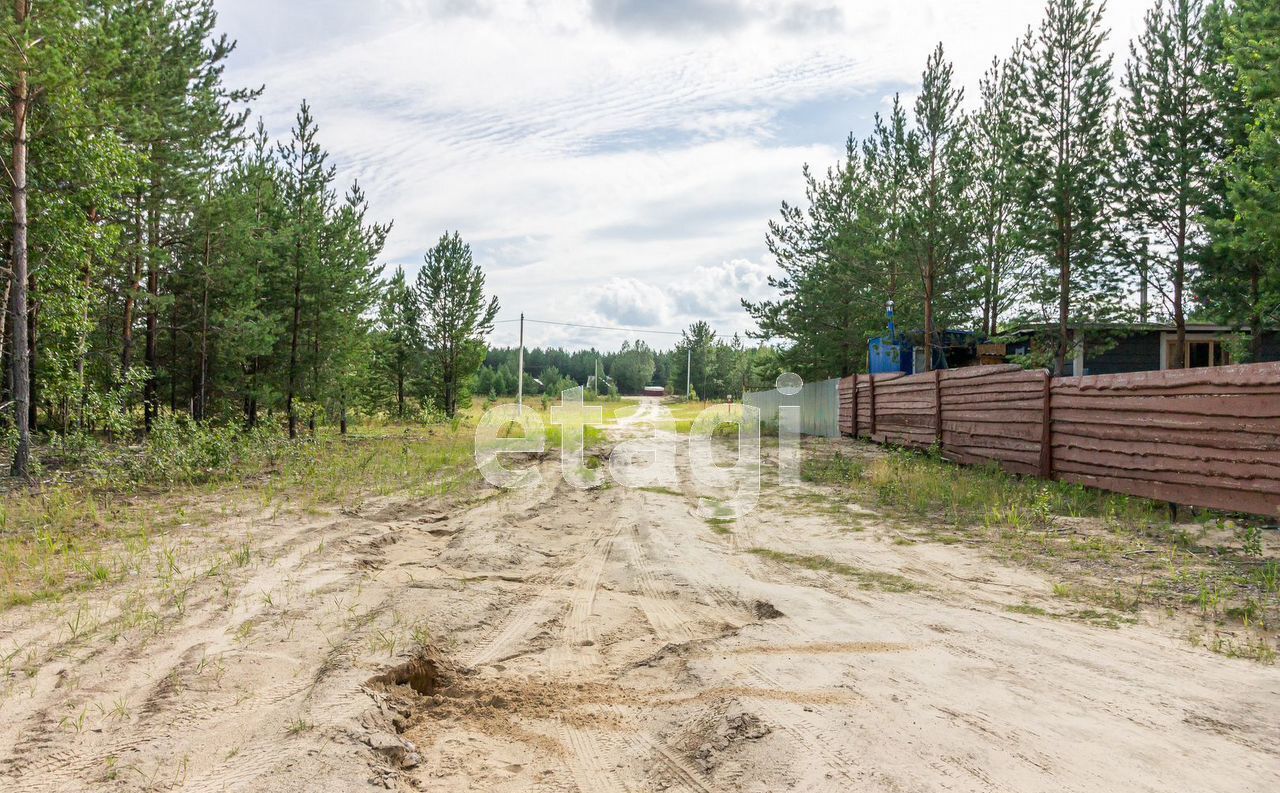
<point x="520" y="377"/>
<point x="688" y="374"/>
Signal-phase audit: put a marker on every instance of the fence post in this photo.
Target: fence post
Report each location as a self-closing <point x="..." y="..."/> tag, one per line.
<point x="937" y="405"/>
<point x="871" y="379"/>
<point x="855" y="404"/>
<point x="1046" y="430"/>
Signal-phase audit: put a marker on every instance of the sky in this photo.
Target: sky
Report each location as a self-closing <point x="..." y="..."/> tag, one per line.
<point x="611" y="162"/>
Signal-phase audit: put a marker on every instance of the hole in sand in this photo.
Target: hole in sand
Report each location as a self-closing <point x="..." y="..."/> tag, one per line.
<point x="765" y="610"/>
<point x="422" y="674"/>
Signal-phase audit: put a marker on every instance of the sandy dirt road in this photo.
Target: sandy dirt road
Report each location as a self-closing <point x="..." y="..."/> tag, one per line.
<point x="609" y="640"/>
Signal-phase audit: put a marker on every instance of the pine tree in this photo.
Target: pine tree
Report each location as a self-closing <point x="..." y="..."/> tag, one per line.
<point x="993" y="195"/>
<point x="1168" y="121"/>
<point x="843" y="257"/>
<point x="399" y="345"/>
<point x="1063" y="94"/>
<point x="1252" y="41"/>
<point x="939" y="218"/>
<point x="20" y="107"/>
<point x="804" y="315"/>
<point x="141" y="212"/>
<point x="881" y="205"/>
<point x="1232" y="281"/>
<point x="695" y="359"/>
<point x="346" y="288"/>
<point x="308" y="199"/>
<point x="455" y="317"/>
<point x="632" y="369"/>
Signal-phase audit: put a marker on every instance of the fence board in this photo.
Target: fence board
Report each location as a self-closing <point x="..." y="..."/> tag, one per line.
<point x="1196" y="435"/>
<point x="1237" y="405"/>
<point x="1251" y="375"/>
<point x="1160" y="422"/>
<point x="1209" y="454"/>
<point x="1205" y="496"/>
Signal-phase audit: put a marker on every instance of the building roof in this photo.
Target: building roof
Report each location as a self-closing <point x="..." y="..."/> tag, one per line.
<point x="1135" y="327"/>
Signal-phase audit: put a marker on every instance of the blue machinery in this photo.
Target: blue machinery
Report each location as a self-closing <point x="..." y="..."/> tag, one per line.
<point x="904" y="351"/>
<point x="891" y="353"/>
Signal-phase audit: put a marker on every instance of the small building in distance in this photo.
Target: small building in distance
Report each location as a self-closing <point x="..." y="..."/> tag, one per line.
<point x="1143" y="347"/>
<point x="654" y="391"/>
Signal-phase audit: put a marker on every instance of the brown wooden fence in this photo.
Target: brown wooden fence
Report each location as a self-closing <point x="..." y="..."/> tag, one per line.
<point x="1200" y="437"/>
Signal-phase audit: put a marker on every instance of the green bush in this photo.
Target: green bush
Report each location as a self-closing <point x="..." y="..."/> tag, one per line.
<point x="179" y="450"/>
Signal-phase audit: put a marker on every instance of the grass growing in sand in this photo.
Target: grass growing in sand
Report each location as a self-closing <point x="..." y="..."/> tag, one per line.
<point x="1113" y="552"/>
<point x="720" y="526"/>
<point x="925" y="486"/>
<point x="867" y="579"/>
<point x="91" y="529"/>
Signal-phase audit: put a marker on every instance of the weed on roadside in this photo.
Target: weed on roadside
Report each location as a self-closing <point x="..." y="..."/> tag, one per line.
<point x="1114" y="554"/>
<point x="97" y="530"/>
<point x="720" y="525"/>
<point x="867" y="579"/>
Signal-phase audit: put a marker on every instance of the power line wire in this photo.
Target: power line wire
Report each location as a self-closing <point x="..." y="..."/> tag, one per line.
<point x="592" y="327"/>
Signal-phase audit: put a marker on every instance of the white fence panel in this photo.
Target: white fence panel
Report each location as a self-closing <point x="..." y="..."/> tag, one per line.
<point x="819" y="405"/>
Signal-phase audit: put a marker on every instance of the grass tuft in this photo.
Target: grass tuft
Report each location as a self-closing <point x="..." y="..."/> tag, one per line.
<point x="867" y="579"/>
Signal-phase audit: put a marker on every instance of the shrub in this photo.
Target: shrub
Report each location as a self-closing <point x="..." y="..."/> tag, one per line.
<point x="181" y="450"/>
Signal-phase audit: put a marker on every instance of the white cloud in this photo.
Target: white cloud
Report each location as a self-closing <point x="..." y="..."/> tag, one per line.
<point x="605" y="159"/>
<point x="629" y="302"/>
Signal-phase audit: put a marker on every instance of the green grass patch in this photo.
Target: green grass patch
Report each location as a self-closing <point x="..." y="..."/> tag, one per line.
<point x="922" y="485"/>
<point x="867" y="579"/>
<point x="1114" y="554"/>
<point x="720" y="525"/>
<point x="1027" y="608"/>
<point x="835" y="469"/>
<point x="666" y="491"/>
<point x="93" y="530"/>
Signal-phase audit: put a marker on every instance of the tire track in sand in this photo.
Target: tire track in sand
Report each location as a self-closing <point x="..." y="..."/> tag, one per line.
<point x="668" y="623"/>
<point x="812" y="741"/>
<point x="541" y="609"/>
<point x="578" y="635"/>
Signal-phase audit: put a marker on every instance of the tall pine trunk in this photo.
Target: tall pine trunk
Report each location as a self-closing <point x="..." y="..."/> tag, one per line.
<point x="315" y="373"/>
<point x="173" y="358"/>
<point x="929" y="331"/>
<point x="4" y="330"/>
<point x="988" y="293"/>
<point x="151" y="398"/>
<point x="400" y="365"/>
<point x="931" y="264"/>
<point x="86" y="273"/>
<point x="33" y="350"/>
<point x="1064" y="307"/>
<point x="1255" y="304"/>
<point x="295" y="329"/>
<point x="1179" y="276"/>
<point x="131" y="292"/>
<point x="198" y="407"/>
<point x="20" y="106"/>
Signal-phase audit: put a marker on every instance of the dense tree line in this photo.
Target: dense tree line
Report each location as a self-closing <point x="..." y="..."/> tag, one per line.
<point x="712" y="368"/>
<point x="1068" y="187"/>
<point x="167" y="258"/>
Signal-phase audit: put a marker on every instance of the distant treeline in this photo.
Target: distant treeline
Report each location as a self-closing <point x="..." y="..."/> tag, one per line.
<point x="720" y="368"/>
